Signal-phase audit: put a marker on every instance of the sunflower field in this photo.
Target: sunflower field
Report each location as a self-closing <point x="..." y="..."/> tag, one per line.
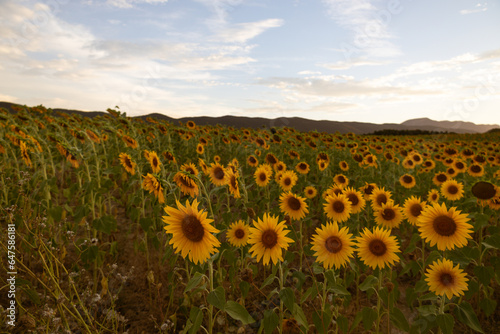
<point x="116" y="224"/>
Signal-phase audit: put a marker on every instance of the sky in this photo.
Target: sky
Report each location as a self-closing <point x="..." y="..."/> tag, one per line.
<point x="345" y="60"/>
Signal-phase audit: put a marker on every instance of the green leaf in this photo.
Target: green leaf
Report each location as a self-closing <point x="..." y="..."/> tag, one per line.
<point x="299" y="315"/>
<point x="340" y="290"/>
<point x="357" y="320"/>
<point x="268" y="280"/>
<point x="421" y="286"/>
<point x="426" y="310"/>
<point x="301" y="278"/>
<point x="196" y="317"/>
<point x="244" y="288"/>
<point x="369" y="316"/>
<point x="146" y="223"/>
<point x="485" y="274"/>
<point x="492" y="241"/>
<point x="399" y="319"/>
<point x="343" y="323"/>
<point x="288" y="298"/>
<point x="238" y="312"/>
<point x="321" y="322"/>
<point x="193" y="282"/>
<point x="271" y="321"/>
<point x="105" y="224"/>
<point x="466" y="315"/>
<point x="312" y="292"/>
<point x="56" y="213"/>
<point x="32" y="295"/>
<point x="488" y="306"/>
<point x="217" y="298"/>
<point x="445" y="322"/>
<point x="368" y="283"/>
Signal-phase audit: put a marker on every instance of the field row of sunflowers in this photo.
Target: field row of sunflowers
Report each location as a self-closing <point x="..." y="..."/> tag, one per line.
<point x="140" y="225"/>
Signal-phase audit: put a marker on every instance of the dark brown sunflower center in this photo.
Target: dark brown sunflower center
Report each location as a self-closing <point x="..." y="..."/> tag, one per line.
<point x="377" y="247"/>
<point x="388" y="214"/>
<point x="353" y="199"/>
<point x="186" y="182"/>
<point x="252" y="160"/>
<point x="218" y="173"/>
<point x="475" y="168"/>
<point x="460" y="165"/>
<point x="239" y="233"/>
<point x="262" y="177"/>
<point x="446" y="279"/>
<point x="128" y="163"/>
<point x="294" y="203"/>
<point x="302" y="166"/>
<point x="233" y="182"/>
<point x="333" y="244"/>
<point x="452" y="189"/>
<point x="369" y="189"/>
<point x="381" y="199"/>
<point x="271" y="159"/>
<point x="155" y="162"/>
<point x="484" y="190"/>
<point x="338" y="206"/>
<point x="444" y="225"/>
<point x="441" y="177"/>
<point x="341" y="179"/>
<point x="415" y="210"/>
<point x="407" y="179"/>
<point x="287" y="181"/>
<point x="192" y="228"/>
<point x="416" y="158"/>
<point x="269" y="239"/>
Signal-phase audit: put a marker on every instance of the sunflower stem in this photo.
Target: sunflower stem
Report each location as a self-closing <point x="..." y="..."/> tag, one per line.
<point x="210" y="306"/>
<point x="280" y="328"/>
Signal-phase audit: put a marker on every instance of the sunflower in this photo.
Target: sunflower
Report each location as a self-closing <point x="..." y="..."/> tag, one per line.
<point x="475" y="170"/>
<point x="446" y="228"/>
<point x="293" y="154"/>
<point x="334" y="189"/>
<point x="377" y="248"/>
<point x="190" y="168"/>
<point x="151" y="184"/>
<point x="370" y="160"/>
<point x="129" y="141"/>
<point x="302" y="167"/>
<point x="187" y="183"/>
<point x="412" y="209"/>
<point x="237" y="234"/>
<point x="191" y="231"/>
<point x="268" y="239"/>
<point x="280" y="166"/>
<point x="293" y="205"/>
<point x="232" y="181"/>
<point x="322" y="165"/>
<point x="310" y="192"/>
<point x="484" y="190"/>
<point x="356" y="198"/>
<point x="271" y="159"/>
<point x="444" y="279"/>
<point x="337" y="207"/>
<point x="333" y="247"/>
<point x="263" y="175"/>
<point x="252" y="161"/>
<point x="25" y="154"/>
<point x="379" y="196"/>
<point x="95" y="138"/>
<point x="154" y="161"/>
<point x="494" y="203"/>
<point x="200" y="149"/>
<point x="367" y="190"/>
<point x="217" y="174"/>
<point x="169" y="156"/>
<point x="407" y="181"/>
<point x="127" y="163"/>
<point x="288" y="180"/>
<point x="191" y="125"/>
<point x="460" y="166"/>
<point x="389" y="215"/>
<point x="408" y="163"/>
<point x="341" y="180"/>
<point x="452" y="190"/>
<point x="440" y="178"/>
<point x="344" y="166"/>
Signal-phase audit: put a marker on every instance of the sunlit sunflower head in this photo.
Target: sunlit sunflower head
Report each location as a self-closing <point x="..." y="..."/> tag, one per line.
<point x="408" y="163"/>
<point x="429" y="164"/>
<point x="302" y="167"/>
<point x="344" y="166"/>
<point x="268" y="239"/>
<point x="379" y="196"/>
<point x="187" y="183"/>
<point x="217" y="159"/>
<point x="412" y="209"/>
<point x="252" y="161"/>
<point x="293" y="205"/>
<point x="356" y="198"/>
<point x="433" y="196"/>
<point x="407" y="181"/>
<point x="377" y="248"/>
<point x="151" y="184"/>
<point x="475" y="170"/>
<point x="129" y="141"/>
<point x="25" y="153"/>
<point x="154" y="161"/>
<point x="337" y="207"/>
<point x="200" y="149"/>
<point x="191" y="232"/>
<point x="263" y="175"/>
<point x="232" y="182"/>
<point x="333" y="247"/>
<point x="442" y="227"/>
<point x="341" y="180"/>
<point x="127" y="163"/>
<point x="288" y="180"/>
<point x="389" y="215"/>
<point x="238" y="233"/>
<point x="310" y="192"/>
<point x="460" y="166"/>
<point x="280" y="166"/>
<point x="440" y="178"/>
<point x="416" y="157"/>
<point x="444" y="279"/>
<point x="452" y="190"/>
<point x="217" y="174"/>
<point x="191" y="125"/>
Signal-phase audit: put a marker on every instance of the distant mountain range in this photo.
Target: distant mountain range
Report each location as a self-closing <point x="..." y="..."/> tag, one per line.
<point x="303" y="124"/>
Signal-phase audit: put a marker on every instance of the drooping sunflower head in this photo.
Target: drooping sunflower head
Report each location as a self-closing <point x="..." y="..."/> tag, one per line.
<point x="442" y="227"/>
<point x="413" y="207"/>
<point x="187" y="183"/>
<point x="154" y="161"/>
<point x="452" y="190"/>
<point x="389" y="215"/>
<point x="127" y="163"/>
<point x="377" y="248"/>
<point x="293" y="205"/>
<point x="407" y="181"/>
<point x="444" y="279"/>
<point x="217" y="174"/>
<point x="337" y="207"/>
<point x="151" y="184"/>
<point x="333" y="247"/>
<point x="268" y="239"/>
<point x="238" y="233"/>
<point x="192" y="233"/>
<point x="233" y="183"/>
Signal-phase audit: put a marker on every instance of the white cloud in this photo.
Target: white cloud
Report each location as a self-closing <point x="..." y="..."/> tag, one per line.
<point x="242" y="32"/>
<point x="480" y="7"/>
<point x="368" y="26"/>
<point x="348" y="64"/>
<point x="131" y="3"/>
